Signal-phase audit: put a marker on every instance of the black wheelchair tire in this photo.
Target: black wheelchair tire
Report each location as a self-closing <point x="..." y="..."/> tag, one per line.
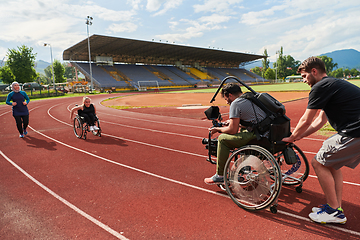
<point x="244" y="178"/>
<point x="78" y="128"/>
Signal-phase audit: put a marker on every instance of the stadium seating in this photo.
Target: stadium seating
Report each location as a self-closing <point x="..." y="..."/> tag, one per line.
<point x="128" y="75"/>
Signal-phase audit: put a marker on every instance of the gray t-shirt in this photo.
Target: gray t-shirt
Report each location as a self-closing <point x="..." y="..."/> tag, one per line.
<point x="246" y="110"/>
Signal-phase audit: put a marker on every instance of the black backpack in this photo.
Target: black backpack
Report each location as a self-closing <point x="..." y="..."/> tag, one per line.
<point x="276" y="122"/>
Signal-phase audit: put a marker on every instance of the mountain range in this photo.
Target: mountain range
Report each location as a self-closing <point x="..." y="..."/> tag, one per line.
<point x="346" y="58"/>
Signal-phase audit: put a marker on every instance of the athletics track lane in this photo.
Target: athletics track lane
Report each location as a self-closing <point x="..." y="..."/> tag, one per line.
<point x="142" y="179"/>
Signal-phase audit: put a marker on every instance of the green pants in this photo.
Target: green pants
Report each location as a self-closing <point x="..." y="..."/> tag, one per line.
<point x="226" y="142"/>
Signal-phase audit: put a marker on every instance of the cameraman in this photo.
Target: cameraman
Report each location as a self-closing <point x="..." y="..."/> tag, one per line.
<point x="230" y="137"/>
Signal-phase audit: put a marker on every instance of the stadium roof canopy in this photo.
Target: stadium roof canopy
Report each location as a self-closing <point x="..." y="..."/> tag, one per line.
<point x="124" y="50"/>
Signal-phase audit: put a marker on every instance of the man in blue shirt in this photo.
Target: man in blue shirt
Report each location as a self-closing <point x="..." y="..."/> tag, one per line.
<point x="19" y="101"/>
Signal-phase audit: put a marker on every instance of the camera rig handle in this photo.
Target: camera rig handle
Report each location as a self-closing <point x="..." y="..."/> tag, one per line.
<point x="209" y="150"/>
<point x="223" y="82"/>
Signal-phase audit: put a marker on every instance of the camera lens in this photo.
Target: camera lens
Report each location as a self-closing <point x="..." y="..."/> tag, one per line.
<point x="205" y="141"/>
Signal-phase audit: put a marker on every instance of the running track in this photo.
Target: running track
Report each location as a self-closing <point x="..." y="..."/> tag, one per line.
<point x="143" y="179"/>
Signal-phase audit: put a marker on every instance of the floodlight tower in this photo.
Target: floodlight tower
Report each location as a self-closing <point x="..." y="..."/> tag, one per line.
<point x="52" y="65"/>
<point x="89" y="23"/>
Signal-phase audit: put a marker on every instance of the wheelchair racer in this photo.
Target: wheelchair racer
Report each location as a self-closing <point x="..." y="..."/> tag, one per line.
<point x="231" y="137"/>
<point x="88" y="111"/>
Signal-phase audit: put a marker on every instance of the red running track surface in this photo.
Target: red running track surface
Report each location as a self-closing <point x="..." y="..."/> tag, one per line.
<point x="142" y="179"/>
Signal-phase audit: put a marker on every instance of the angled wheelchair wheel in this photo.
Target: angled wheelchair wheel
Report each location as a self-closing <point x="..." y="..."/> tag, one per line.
<point x="252" y="178"/>
<point x="97" y="132"/>
<point x="296" y="173"/>
<point x="78" y="128"/>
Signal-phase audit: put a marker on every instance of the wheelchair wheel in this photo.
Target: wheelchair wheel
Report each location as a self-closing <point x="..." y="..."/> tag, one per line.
<point x="97" y="132"/>
<point x="252" y="178"/>
<point x="78" y="128"/>
<point x="296" y="173"/>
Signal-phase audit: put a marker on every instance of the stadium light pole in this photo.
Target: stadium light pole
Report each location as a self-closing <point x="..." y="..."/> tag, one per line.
<point x="89" y="23"/>
<point x="52" y="65"/>
<point x="276" y="66"/>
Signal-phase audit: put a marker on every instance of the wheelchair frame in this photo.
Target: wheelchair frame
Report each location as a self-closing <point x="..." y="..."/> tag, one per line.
<point x="81" y="128"/>
<point x="254" y="174"/>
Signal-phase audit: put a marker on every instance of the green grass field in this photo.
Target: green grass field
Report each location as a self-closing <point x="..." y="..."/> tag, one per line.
<point x="278" y="87"/>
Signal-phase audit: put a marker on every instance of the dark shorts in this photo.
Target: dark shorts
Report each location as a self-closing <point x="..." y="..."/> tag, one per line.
<point x="338" y="151"/>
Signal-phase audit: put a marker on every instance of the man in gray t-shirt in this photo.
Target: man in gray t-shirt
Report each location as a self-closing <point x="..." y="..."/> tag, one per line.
<point x="230" y="137"/>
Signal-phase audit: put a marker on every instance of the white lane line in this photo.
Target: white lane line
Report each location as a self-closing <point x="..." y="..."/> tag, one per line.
<point x="70" y="205"/>
<point x="5" y="113"/>
<point x="158" y="122"/>
<point x="178" y="182"/>
<point x="325" y="225"/>
<point x="11" y="111"/>
<point x="153" y="130"/>
<point x="170" y="149"/>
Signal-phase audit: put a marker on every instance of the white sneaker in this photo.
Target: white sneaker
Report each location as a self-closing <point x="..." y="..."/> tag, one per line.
<point x="91" y="128"/>
<point x="96" y="128"/>
<point x="318" y="208"/>
<point x="328" y="215"/>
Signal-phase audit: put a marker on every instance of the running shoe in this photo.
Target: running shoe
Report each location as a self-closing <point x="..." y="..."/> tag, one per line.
<point x="21" y="136"/>
<point x="95" y="128"/>
<point x="25" y="132"/>
<point x="91" y="128"/>
<point x="216" y="179"/>
<point x="328" y="215"/>
<point x="319" y="208"/>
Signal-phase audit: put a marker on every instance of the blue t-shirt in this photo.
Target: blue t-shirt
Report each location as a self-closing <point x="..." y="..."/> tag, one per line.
<point x="19" y="97"/>
<point x="340" y="101"/>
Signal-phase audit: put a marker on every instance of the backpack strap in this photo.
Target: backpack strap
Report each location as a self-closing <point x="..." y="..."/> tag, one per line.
<point x="259" y="127"/>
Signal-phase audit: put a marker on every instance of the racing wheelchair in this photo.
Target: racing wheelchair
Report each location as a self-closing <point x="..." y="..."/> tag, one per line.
<point x="81" y="128"/>
<point x="254" y="173"/>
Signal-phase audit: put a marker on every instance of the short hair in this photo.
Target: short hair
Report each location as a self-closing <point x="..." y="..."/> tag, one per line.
<point x="310" y="63"/>
<point x="232" y="88"/>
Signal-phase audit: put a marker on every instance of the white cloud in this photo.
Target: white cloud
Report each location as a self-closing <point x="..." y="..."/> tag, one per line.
<point x="328" y="32"/>
<point x="155" y="5"/>
<point x="195" y="28"/>
<point x="217" y="6"/>
<point x="121" y="27"/>
<point x="136" y="4"/>
<point x="254" y="18"/>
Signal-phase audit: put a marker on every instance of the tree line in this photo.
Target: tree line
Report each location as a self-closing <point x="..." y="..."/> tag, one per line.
<point x="286" y="65"/>
<point x="20" y="67"/>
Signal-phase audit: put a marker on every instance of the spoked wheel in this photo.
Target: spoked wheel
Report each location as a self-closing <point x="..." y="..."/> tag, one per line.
<point x="253" y="177"/>
<point x="97" y="132"/>
<point x="78" y="128"/>
<point x="296" y="173"/>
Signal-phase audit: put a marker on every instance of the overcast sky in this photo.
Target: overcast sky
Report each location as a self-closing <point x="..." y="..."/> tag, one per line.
<point x="303" y="27"/>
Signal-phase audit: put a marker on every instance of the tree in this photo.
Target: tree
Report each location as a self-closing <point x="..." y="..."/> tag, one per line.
<point x="354" y="72"/>
<point x="48" y="74"/>
<point x="257" y="70"/>
<point x="329" y="64"/>
<point x="59" y="71"/>
<point x="21" y="63"/>
<point x="6" y="75"/>
<point x="291" y="65"/>
<point x="69" y="71"/>
<point x="279" y="65"/>
<point x="265" y="63"/>
<point x="269" y="74"/>
<point x="42" y="79"/>
<point x="338" y="73"/>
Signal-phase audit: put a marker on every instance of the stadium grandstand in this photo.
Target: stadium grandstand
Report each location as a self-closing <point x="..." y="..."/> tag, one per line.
<point x="127" y="64"/>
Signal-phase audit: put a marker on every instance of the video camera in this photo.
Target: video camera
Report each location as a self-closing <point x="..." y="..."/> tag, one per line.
<point x="213" y="114"/>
